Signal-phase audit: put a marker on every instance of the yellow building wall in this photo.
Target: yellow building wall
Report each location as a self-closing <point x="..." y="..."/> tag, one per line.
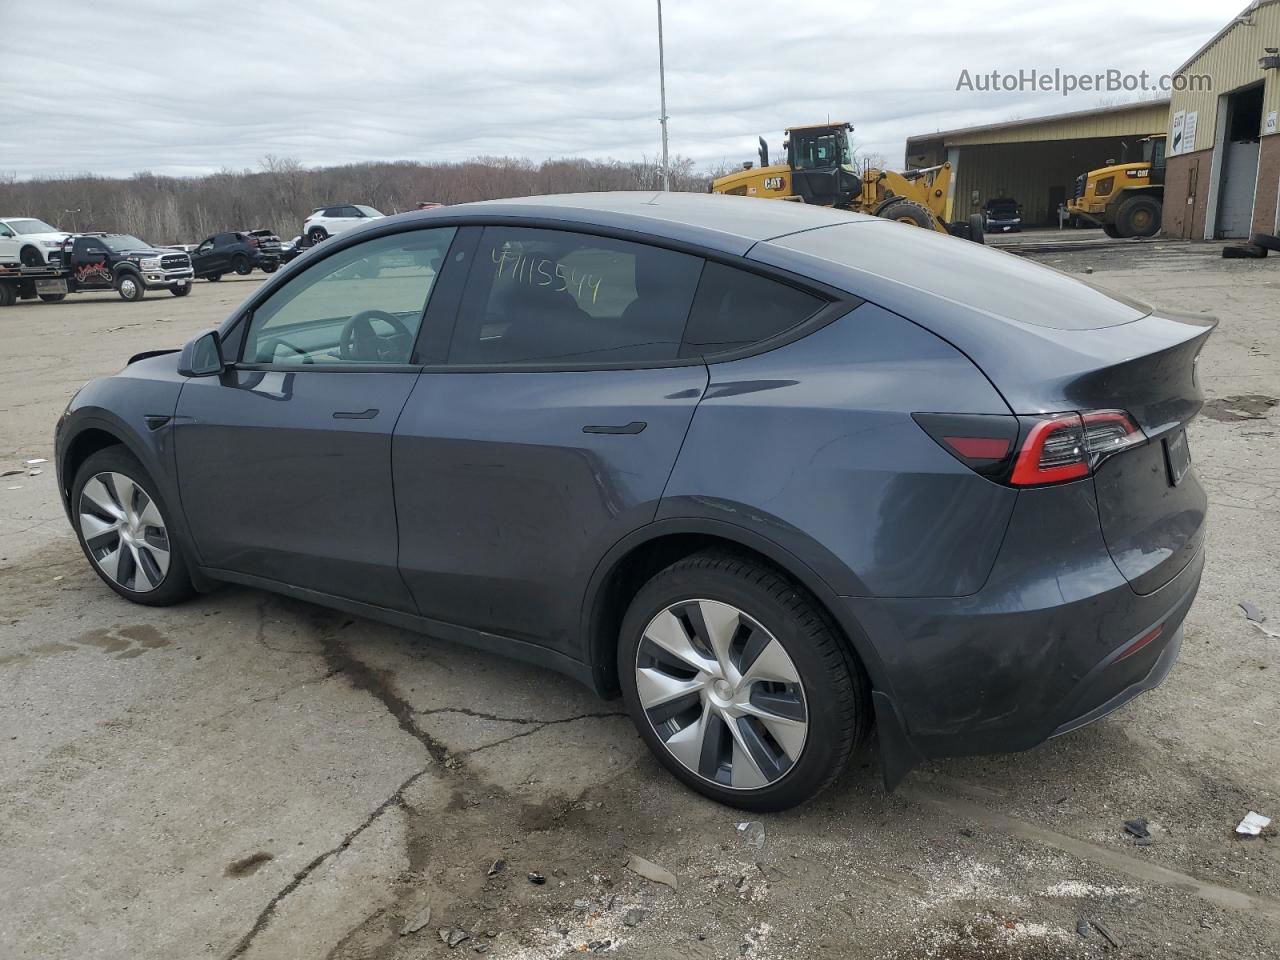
<point x="1231" y="62"/>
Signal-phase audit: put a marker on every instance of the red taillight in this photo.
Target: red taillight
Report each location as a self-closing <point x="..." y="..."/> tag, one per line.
<point x="1054" y="451"/>
<point x="979" y="448"/>
<point x="1068" y="446"/>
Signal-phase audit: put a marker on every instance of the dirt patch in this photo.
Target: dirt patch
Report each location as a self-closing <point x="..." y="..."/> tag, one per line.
<point x="247" y="866"/>
<point x="1249" y="406"/>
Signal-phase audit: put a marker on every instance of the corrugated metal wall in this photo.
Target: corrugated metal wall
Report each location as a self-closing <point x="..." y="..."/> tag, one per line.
<point x="1028" y="172"/>
<point x="1232" y="62"/>
<point x="1141" y="118"/>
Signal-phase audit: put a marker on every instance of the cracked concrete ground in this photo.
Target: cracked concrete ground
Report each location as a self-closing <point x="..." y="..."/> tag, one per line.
<point x="249" y="776"/>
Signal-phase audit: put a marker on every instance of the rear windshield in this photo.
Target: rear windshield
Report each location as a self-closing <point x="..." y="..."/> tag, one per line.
<point x="967" y="273"/>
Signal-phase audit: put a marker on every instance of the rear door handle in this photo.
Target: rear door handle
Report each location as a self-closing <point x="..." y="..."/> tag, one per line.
<point x="635" y="426"/>
<point x="355" y="414"/>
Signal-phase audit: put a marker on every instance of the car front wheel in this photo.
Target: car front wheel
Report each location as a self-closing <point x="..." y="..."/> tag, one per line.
<point x="124" y="529"/>
<point x="740" y="683"/>
<point x="131" y="288"/>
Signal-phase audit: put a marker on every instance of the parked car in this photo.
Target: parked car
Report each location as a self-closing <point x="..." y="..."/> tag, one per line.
<point x="1002" y="215"/>
<point x="743" y="463"/>
<point x="268" y="244"/>
<point x="324" y="222"/>
<point x="234" y="251"/>
<point x="29" y="241"/>
<point x="120" y="262"/>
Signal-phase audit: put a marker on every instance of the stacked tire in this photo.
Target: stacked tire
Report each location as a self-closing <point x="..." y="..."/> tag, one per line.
<point x="1257" y="248"/>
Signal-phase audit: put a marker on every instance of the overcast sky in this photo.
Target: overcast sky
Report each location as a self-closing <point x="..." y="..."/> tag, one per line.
<point x="186" y="88"/>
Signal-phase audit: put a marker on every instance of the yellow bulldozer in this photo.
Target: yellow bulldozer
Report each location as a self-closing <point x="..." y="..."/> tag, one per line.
<point x="1126" y="199"/>
<point x="819" y="169"/>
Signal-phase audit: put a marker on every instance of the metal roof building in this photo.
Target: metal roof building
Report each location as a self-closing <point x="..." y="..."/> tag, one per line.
<point x="1223" y="175"/>
<point x="1034" y="161"/>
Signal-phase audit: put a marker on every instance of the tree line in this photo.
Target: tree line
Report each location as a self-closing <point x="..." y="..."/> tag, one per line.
<point x="282" y="193"/>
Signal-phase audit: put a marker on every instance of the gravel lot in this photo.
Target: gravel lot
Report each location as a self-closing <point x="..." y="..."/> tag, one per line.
<point x="247" y="776"/>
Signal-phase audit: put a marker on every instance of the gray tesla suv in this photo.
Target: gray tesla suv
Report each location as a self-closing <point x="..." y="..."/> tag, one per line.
<point x="778" y="475"/>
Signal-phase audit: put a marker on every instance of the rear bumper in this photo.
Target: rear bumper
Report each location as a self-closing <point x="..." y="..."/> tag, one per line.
<point x="1039" y="651"/>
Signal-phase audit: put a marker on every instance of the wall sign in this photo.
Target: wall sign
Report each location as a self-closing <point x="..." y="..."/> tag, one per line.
<point x="1177" y="133"/>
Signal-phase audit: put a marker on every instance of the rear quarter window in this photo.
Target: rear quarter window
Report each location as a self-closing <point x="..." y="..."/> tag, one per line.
<point x="735" y="308"/>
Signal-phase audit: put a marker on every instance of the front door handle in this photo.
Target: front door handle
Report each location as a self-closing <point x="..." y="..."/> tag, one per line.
<point x="635" y="426"/>
<point x="355" y="414"/>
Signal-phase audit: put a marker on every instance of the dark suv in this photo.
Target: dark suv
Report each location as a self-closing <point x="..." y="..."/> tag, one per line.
<point x="238" y="252"/>
<point x="744" y="463"/>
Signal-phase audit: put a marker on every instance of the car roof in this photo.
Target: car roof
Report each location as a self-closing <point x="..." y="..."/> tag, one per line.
<point x="716" y="221"/>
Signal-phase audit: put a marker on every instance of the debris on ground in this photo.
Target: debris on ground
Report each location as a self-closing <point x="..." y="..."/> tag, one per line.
<point x="1082" y="927"/>
<point x="452" y="936"/>
<point x="1252" y="612"/>
<point x="11" y="473"/>
<point x="35" y="462"/>
<point x="417" y="923"/>
<point x="1253" y="824"/>
<point x="1138" y="829"/>
<point x="537" y="879"/>
<point x="752" y="833"/>
<point x="633" y="916"/>
<point x="496" y="867"/>
<point x="1111" y="937"/>
<point x="652" y="871"/>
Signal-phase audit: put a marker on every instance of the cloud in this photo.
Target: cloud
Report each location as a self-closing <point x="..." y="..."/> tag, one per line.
<point x="184" y="89"/>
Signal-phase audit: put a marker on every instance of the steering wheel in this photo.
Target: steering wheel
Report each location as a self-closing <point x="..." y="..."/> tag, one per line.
<point x="359" y="341"/>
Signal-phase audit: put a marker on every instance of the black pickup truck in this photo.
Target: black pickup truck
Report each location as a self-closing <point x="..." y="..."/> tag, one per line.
<point x="97" y="262"/>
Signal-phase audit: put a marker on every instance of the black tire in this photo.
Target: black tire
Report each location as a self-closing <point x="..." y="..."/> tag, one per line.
<point x="242" y="266"/>
<point x="1246" y="251"/>
<point x="181" y="290"/>
<point x="1111" y="230"/>
<point x="908" y="212"/>
<point x="176" y="583"/>
<point x="8" y="295"/>
<point x="1266" y="241"/>
<point x="836" y="693"/>
<point x="130" y="287"/>
<point x="270" y="267"/>
<point x="1139" y="217"/>
<point x="977" y="229"/>
<point x="52" y="297"/>
<point x="30" y="257"/>
<point x="317" y="234"/>
<point x="214" y="277"/>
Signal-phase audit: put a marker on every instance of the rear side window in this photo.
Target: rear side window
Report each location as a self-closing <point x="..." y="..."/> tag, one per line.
<point x="551" y="296"/>
<point x="735" y="308"/>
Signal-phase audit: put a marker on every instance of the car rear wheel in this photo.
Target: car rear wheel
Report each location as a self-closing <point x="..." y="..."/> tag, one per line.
<point x="123" y="527"/>
<point x="316" y="234"/>
<point x="131" y="288"/>
<point x="242" y="266"/>
<point x="739" y="682"/>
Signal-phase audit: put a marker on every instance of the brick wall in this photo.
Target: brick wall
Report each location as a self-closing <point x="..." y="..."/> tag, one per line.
<point x="1264" y="201"/>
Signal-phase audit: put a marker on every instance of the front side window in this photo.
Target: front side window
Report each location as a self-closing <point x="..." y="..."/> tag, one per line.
<point x="364" y="304"/>
<point x="550" y="296"/>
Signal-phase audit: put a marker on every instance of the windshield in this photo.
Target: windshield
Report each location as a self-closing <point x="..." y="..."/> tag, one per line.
<point x="825" y="148"/>
<point x="123" y="243"/>
<point x="369" y="211"/>
<point x="31" y="226"/>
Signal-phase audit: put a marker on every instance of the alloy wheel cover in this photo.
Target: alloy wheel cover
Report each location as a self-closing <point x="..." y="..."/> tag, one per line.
<point x="722" y="694"/>
<point x="124" y="532"/>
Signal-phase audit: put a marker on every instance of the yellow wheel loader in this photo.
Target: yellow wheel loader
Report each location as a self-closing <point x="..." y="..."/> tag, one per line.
<point x="1125" y="199"/>
<point x="819" y="169"/>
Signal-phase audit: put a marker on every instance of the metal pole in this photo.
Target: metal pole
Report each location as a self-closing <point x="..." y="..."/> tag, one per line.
<point x="662" y="87"/>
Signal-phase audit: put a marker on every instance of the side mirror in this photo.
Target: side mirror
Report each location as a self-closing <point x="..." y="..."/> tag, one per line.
<point x="202" y="357"/>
